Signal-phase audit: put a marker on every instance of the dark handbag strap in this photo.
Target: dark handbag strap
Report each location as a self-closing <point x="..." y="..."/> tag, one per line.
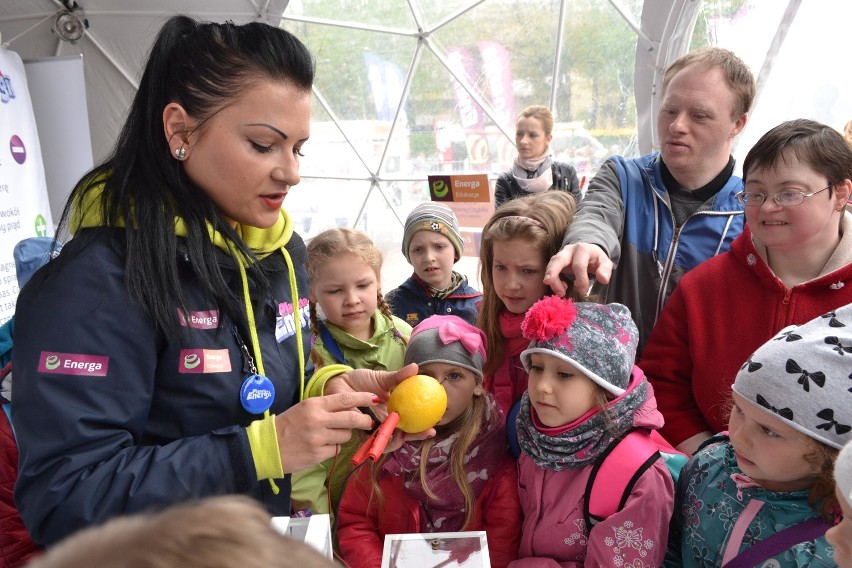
<point x="779" y="542"/>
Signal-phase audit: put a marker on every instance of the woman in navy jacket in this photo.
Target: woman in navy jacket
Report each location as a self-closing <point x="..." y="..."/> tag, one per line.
<point x="163" y="355"/>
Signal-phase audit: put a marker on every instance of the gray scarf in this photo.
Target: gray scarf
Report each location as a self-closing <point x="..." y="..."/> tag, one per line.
<point x="584" y="443"/>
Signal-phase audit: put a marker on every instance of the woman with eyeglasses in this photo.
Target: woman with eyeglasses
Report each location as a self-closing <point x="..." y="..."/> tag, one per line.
<point x="792" y="263"/>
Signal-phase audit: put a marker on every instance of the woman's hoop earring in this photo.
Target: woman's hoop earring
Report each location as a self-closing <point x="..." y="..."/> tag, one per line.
<point x="180" y="153"/>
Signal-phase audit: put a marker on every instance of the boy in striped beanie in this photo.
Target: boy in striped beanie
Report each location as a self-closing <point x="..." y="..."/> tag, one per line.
<point x="432" y="244"/>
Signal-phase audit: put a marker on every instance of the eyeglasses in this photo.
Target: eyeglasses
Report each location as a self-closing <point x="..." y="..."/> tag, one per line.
<point x="784" y="199"/>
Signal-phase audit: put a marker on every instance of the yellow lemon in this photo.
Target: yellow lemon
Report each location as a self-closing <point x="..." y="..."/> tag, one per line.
<point x="420" y="402"/>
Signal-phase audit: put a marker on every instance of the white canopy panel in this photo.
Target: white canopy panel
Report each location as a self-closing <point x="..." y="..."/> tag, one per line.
<point x="410" y="88"/>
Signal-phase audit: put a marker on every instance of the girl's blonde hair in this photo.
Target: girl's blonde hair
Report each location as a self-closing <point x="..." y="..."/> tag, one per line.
<point x="540" y="219"/>
<point x="232" y="531"/>
<point x="467" y="426"/>
<point x="330" y="245"/>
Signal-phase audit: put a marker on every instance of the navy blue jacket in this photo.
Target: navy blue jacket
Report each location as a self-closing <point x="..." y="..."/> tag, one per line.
<point x="111" y="418"/>
<point x="412" y="303"/>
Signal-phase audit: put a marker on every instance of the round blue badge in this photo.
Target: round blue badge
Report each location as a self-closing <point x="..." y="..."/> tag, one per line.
<point x="257" y="394"/>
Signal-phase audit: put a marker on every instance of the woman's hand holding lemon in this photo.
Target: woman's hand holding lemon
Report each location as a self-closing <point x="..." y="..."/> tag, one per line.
<point x="420" y="404"/>
<point x="368" y="380"/>
<point x="309" y="432"/>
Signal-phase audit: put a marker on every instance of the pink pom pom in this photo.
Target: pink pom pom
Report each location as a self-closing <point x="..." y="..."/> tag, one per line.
<point x="548" y="317"/>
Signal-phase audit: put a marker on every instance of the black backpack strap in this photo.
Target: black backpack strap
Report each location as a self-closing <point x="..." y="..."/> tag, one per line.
<point x="512" y="429"/>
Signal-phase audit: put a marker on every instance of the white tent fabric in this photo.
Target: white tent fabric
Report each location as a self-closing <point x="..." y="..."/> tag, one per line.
<point x="115" y="44"/>
<point x="791" y="46"/>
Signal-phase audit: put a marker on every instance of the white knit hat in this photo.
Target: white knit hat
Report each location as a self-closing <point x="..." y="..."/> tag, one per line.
<point x="802" y="377"/>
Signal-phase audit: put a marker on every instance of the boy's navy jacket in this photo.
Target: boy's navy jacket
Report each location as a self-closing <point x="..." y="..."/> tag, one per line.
<point x="412" y="303"/>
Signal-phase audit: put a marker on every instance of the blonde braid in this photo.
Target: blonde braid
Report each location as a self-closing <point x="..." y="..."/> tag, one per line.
<point x="386" y="311"/>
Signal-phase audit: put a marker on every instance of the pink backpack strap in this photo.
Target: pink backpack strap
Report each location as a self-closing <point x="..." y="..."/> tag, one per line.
<point x="615" y="473"/>
<point x="735" y="539"/>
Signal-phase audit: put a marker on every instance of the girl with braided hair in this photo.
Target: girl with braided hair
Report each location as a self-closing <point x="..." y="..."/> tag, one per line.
<point x="358" y="330"/>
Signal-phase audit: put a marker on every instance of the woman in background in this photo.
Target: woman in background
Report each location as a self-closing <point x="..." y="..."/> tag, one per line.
<point x="534" y="169"/>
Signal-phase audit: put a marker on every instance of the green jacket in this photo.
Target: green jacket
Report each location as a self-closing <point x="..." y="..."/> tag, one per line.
<point x="384" y="351"/>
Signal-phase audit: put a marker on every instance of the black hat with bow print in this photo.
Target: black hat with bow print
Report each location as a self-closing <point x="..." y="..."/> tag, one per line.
<point x="803" y="376"/>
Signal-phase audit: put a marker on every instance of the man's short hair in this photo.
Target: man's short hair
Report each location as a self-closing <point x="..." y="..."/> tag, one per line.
<point x="736" y="72"/>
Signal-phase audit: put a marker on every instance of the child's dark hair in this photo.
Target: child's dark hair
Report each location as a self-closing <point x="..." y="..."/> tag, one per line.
<point x="140" y="189"/>
<point x="324" y="249"/>
<point x="818" y="145"/>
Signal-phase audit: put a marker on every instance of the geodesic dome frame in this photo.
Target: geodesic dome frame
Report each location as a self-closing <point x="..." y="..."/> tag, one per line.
<point x="363" y="168"/>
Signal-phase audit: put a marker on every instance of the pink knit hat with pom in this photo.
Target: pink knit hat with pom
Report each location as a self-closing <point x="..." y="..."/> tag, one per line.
<point x="598" y="339"/>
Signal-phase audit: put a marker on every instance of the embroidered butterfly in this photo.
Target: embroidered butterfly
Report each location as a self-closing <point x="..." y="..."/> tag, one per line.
<point x="839" y="347"/>
<point x="832" y="320"/>
<point x="752" y="366"/>
<point x="805" y="377"/>
<point x="828" y="414"/>
<point x="782" y="412"/>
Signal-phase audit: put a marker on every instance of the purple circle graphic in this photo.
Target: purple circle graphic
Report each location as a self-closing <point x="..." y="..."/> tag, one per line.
<point x="16" y="147"/>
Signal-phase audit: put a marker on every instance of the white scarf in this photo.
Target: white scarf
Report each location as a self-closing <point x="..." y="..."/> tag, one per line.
<point x="542" y="180"/>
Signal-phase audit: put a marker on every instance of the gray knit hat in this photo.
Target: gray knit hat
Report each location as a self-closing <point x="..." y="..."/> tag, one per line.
<point x="447" y="339"/>
<point x="432" y="216"/>
<point x="599" y="339"/>
<point x="802" y="376"/>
